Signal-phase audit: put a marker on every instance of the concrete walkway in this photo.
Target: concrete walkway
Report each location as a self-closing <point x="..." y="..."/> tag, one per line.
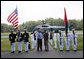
<point x="4" y="36"/>
<point x="51" y="54"/>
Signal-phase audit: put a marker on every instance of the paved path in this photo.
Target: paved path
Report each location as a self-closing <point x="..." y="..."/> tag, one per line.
<point x="4" y="36"/>
<point x="51" y="54"/>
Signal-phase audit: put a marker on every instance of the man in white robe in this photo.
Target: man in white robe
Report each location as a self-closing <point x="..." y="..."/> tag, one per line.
<point x="74" y="39"/>
<point x="54" y="38"/>
<point x="67" y="41"/>
<point x="36" y="32"/>
<point x="60" y="39"/>
<point x="32" y="40"/>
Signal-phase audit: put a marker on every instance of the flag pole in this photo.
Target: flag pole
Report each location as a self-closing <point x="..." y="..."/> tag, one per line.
<point x="65" y="22"/>
<point x="66" y="25"/>
<point x="17" y="14"/>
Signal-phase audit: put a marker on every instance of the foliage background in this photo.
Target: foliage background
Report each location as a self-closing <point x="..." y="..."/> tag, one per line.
<point x="29" y="25"/>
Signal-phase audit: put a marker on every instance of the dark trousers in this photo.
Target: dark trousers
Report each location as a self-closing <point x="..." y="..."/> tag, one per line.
<point x="29" y="46"/>
<point x="46" y="45"/>
<point x="39" y="44"/>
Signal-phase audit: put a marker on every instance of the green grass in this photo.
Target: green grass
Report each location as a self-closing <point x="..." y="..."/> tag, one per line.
<point x="5" y="45"/>
<point x="79" y="44"/>
<point x="5" y="34"/>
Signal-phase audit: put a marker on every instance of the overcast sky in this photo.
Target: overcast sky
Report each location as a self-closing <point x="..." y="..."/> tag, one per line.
<point x="38" y="10"/>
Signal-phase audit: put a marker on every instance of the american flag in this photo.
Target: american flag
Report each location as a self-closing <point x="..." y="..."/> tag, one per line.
<point x="13" y="18"/>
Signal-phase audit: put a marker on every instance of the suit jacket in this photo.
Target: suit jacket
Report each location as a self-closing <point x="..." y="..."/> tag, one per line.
<point x="45" y="36"/>
<point x="12" y="37"/>
<point x="26" y="37"/>
<point x="19" y="38"/>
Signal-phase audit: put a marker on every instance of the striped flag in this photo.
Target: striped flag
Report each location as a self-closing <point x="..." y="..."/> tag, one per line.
<point x="13" y="18"/>
<point x="65" y="22"/>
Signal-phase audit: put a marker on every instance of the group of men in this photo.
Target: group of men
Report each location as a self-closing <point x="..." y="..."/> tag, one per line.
<point x="38" y="36"/>
<point x="20" y="37"/>
<point x="51" y="35"/>
<point x="67" y="38"/>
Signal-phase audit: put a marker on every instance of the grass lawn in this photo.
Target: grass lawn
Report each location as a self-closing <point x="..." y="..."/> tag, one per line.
<point x="5" y="34"/>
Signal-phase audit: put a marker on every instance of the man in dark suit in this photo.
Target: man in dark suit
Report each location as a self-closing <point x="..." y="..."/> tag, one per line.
<point x="46" y="41"/>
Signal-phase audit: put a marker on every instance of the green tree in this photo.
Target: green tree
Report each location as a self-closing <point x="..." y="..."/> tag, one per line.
<point x="4" y="28"/>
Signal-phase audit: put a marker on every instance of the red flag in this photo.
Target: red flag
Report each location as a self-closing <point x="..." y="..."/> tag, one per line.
<point x="65" y="17"/>
<point x="65" y="22"/>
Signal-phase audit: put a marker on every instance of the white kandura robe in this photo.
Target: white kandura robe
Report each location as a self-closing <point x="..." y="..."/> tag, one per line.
<point x="60" y="45"/>
<point x="74" y="45"/>
<point x="32" y="41"/>
<point x="54" y="38"/>
<point x="67" y="41"/>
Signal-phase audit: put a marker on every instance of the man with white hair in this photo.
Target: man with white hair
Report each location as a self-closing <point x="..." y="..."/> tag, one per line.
<point x="19" y="41"/>
<point x="74" y="39"/>
<point x="26" y="39"/>
<point x="60" y="39"/>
